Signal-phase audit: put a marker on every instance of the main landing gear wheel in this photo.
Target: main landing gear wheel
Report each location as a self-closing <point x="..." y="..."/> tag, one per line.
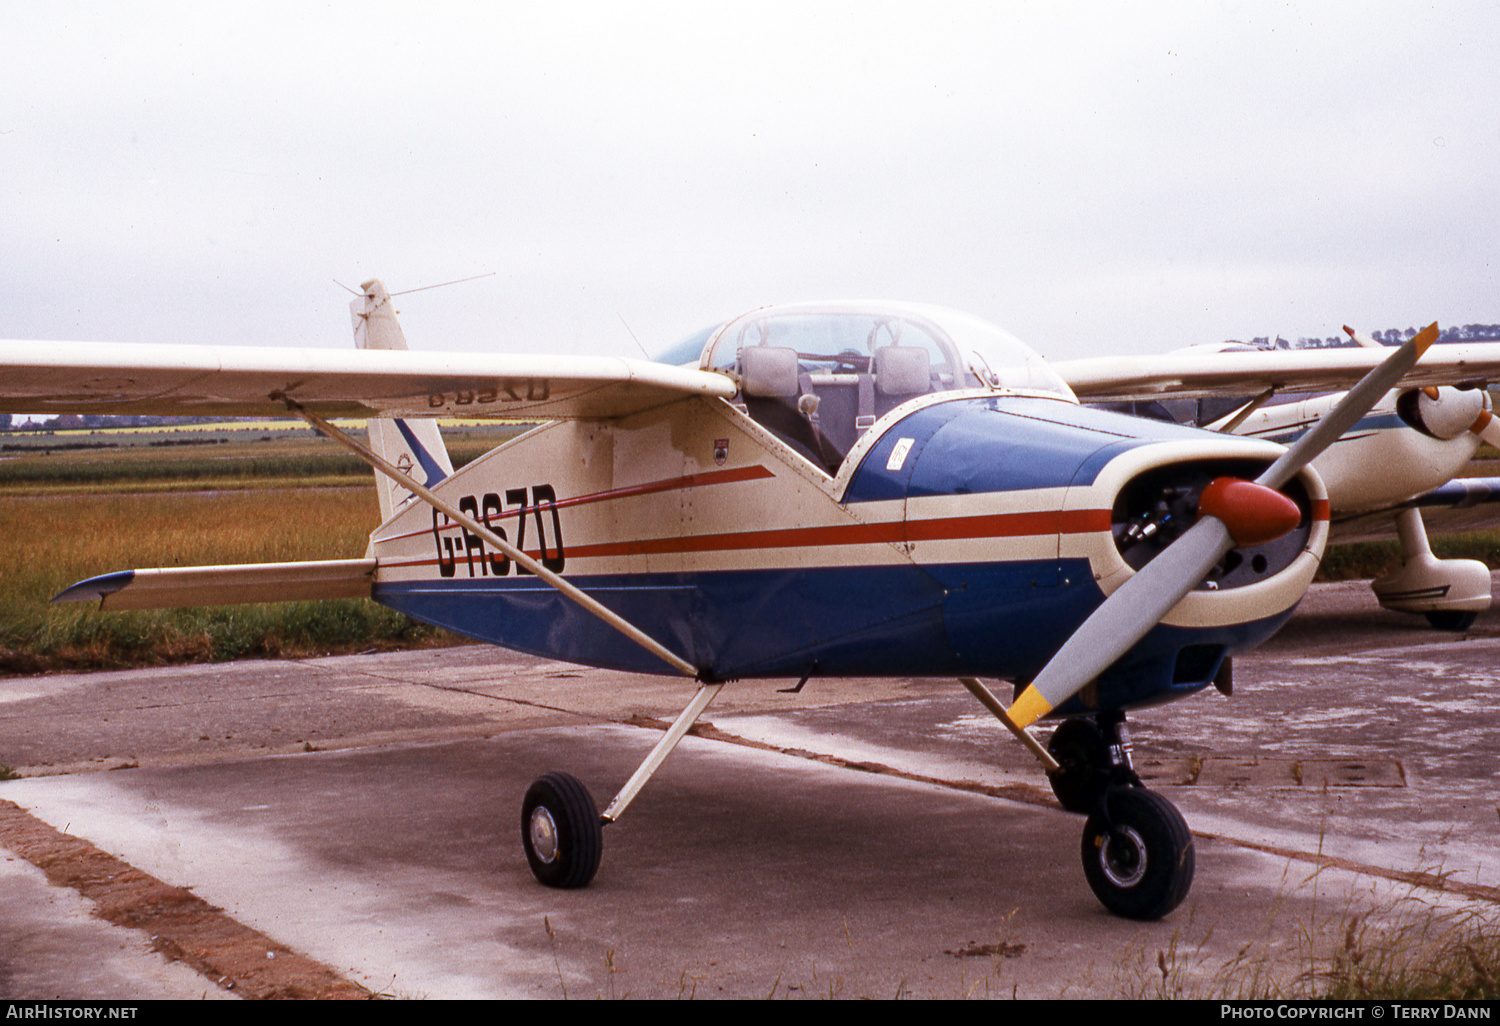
<point x="1137" y="853"/>
<point x="1082" y="751"/>
<point x="561" y="831"/>
<point x="1451" y="619"/>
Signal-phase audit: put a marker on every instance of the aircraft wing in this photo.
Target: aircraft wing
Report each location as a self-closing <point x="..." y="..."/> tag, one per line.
<point x="1189" y="374"/>
<point x="1463" y="504"/>
<point x="173" y="380"/>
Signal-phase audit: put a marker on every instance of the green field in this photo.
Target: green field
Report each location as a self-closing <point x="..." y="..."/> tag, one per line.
<point x="202" y="456"/>
<point x="77" y="504"/>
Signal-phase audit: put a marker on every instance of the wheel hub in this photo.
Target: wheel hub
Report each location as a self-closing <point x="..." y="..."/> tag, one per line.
<point x="1122" y="857"/>
<point x="543" y="834"/>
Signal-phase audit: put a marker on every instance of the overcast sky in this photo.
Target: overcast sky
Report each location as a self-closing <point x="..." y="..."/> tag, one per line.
<point x="1095" y="177"/>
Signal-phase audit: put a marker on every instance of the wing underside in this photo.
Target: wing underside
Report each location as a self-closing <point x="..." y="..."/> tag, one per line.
<point x="1189" y="375"/>
<point x="169" y="380"/>
<point x="1463" y="504"/>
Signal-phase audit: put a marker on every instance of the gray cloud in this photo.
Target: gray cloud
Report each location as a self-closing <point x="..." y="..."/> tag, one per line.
<point x="1088" y="175"/>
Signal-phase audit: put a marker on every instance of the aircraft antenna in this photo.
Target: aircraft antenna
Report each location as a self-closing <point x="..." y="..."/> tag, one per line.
<point x="456" y="281"/>
<point x="632" y="335"/>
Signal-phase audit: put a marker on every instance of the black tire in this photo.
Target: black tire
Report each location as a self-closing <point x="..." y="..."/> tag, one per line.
<point x="1082" y="751"/>
<point x="1138" y="862"/>
<point x="1451" y="620"/>
<point x="561" y="831"/>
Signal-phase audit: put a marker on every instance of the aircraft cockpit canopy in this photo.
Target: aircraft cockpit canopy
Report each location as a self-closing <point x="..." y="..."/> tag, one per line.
<point x="819" y="375"/>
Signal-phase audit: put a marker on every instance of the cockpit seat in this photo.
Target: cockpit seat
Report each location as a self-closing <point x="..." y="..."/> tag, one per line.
<point x="902" y="372"/>
<point x="774" y="390"/>
<point x="768" y="371"/>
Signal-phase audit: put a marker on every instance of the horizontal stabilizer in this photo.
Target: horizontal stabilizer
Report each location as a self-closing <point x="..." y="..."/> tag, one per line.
<point x="175" y="587"/>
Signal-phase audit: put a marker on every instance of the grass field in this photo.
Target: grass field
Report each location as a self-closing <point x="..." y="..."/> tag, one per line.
<point x="52" y="541"/>
<point x="78" y="504"/>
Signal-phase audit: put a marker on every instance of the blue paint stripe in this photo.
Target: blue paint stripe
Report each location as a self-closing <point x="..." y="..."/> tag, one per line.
<point x="1366" y="426"/>
<point x="96" y="587"/>
<point x="424" y="458"/>
<point x="988" y="620"/>
<point x="1461" y="493"/>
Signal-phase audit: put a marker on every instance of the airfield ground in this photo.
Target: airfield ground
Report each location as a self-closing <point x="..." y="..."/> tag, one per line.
<point x="349" y="826"/>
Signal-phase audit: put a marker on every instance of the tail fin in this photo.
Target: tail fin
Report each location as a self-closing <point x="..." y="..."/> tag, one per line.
<point x="416" y="446"/>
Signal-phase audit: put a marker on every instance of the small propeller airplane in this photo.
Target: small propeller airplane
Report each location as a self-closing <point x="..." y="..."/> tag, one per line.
<point x="1402" y="458"/>
<point x="838" y="489"/>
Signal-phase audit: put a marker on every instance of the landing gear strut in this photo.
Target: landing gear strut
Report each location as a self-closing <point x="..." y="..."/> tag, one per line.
<point x="561" y="827"/>
<point x="1137" y="851"/>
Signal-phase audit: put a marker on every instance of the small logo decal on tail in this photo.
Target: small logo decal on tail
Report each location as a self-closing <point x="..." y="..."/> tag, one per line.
<point x="429" y="465"/>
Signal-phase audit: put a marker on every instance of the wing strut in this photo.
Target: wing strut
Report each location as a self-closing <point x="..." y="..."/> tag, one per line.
<point x="381" y="466"/>
<point x="1243" y="414"/>
<point x="987" y="699"/>
<point x="679" y="727"/>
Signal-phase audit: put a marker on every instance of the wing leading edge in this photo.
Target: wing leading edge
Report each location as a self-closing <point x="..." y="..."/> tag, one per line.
<point x="1189" y="375"/>
<point x="173" y="380"/>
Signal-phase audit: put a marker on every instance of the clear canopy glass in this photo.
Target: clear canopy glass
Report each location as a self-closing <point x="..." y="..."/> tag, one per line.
<point x="843" y="339"/>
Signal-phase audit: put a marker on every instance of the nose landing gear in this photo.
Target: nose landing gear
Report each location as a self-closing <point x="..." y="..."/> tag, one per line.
<point x="1138" y="855"/>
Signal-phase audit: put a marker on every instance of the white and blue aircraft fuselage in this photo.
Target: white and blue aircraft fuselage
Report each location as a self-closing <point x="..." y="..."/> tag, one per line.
<point x="857" y="489"/>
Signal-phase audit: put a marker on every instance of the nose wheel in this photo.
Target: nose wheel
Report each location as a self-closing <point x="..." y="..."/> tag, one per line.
<point x="1137" y="853"/>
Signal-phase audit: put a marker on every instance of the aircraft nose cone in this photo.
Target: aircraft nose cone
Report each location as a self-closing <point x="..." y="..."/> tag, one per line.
<point x="1253" y="513"/>
<point x="1448" y="412"/>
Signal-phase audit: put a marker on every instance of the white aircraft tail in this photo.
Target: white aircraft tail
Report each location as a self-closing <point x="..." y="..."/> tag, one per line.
<point x="416" y="446"/>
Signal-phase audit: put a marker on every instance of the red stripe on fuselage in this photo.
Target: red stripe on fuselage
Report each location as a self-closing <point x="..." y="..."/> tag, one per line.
<point x="715" y="477"/>
<point x="999" y="525"/>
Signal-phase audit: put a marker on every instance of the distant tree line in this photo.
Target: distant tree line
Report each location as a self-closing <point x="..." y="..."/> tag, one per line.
<point x="1395" y="336"/>
<point x="86" y="421"/>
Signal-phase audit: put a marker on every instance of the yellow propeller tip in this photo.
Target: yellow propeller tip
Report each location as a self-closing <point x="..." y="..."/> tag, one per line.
<point x="1028" y="708"/>
<point x="1426" y="337"/>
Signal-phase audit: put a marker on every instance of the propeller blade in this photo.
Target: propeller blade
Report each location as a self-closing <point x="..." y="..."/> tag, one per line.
<point x="1139" y="604"/>
<point x="1356" y="403"/>
<point x="1487" y="427"/>
<point x="1124" y="619"/>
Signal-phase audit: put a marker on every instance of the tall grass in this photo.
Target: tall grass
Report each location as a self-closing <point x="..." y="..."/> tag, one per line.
<point x="1406" y="948"/>
<point x="50" y="541"/>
